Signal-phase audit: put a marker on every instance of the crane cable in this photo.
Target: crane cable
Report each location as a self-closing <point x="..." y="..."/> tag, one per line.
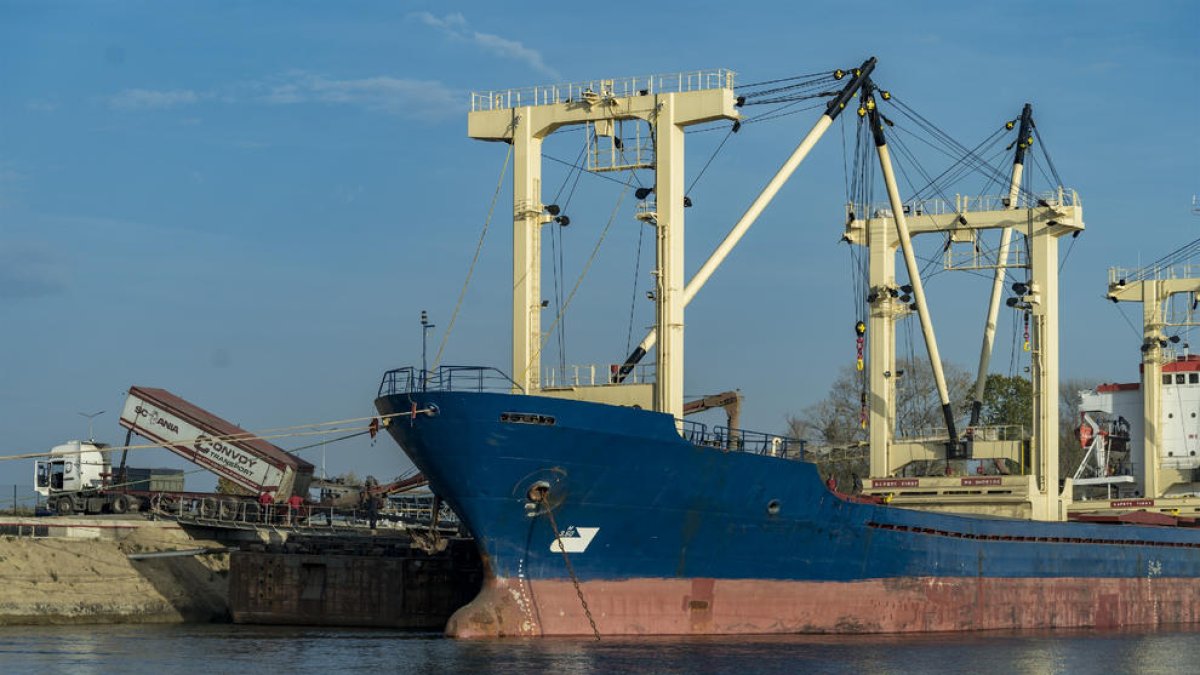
<point x="858" y="190"/>
<point x="637" y="273"/>
<point x="558" y="246"/>
<point x="536" y="356"/>
<point x="471" y="269"/>
<point x="299" y="430"/>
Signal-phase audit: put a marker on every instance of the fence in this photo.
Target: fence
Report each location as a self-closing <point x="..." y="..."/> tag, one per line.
<point x="17" y="499"/>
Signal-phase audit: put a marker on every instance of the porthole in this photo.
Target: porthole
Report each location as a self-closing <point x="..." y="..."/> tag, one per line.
<point x="773" y="507"/>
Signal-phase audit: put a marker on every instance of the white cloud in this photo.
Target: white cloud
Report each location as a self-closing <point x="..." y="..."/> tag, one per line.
<point x="31" y="270"/>
<point x="150" y="99"/>
<point x="39" y="105"/>
<point x="12" y="182"/>
<point x="455" y="21"/>
<point x="426" y="99"/>
<point x="455" y="26"/>
<point x="249" y="145"/>
<point x="419" y="99"/>
<point x="347" y="194"/>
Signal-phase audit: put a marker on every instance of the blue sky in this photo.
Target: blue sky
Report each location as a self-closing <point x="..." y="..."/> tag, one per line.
<point x="250" y="203"/>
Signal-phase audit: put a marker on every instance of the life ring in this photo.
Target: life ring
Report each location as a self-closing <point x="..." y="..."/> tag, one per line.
<point x="1085" y="435"/>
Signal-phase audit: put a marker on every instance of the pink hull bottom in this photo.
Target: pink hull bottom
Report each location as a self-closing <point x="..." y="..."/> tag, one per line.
<point x="518" y="608"/>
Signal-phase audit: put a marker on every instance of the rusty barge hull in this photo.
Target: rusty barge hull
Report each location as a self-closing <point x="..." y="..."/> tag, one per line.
<point x="668" y="537"/>
<point x="378" y="582"/>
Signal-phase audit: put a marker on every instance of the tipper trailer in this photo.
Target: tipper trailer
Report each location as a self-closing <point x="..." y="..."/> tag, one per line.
<point x="78" y="477"/>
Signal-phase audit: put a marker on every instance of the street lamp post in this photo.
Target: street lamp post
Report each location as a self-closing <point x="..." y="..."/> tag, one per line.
<point x="90" y="417"/>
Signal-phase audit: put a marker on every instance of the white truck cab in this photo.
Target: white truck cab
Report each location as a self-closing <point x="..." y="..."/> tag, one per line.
<point x="73" y="467"/>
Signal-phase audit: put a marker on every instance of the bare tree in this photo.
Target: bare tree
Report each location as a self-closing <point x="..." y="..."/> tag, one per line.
<point x="918" y="408"/>
<point x="837" y="420"/>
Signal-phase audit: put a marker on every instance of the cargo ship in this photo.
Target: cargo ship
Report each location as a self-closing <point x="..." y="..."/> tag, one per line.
<point x="599" y="509"/>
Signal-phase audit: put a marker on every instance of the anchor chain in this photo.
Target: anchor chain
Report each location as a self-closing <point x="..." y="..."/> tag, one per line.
<point x="544" y="497"/>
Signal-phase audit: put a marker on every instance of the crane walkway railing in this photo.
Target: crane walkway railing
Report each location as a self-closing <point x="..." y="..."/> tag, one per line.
<point x="595" y="374"/>
<point x="965" y="204"/>
<point x="591" y="91"/>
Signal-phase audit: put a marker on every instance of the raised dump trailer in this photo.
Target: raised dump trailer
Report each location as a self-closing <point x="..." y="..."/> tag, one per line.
<point x="215" y="444"/>
<point x="78" y="477"/>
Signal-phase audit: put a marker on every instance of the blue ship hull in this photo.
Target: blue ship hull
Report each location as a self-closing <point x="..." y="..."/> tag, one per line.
<point x="664" y="536"/>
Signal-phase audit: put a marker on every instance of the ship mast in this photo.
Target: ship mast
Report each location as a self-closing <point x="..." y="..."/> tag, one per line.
<point x="525" y="117"/>
<point x="1024" y="140"/>
<point x="910" y="264"/>
<point x="832" y="110"/>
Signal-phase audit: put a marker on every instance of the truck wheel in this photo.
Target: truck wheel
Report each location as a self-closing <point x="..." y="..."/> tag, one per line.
<point x="120" y="504"/>
<point x="64" y="506"/>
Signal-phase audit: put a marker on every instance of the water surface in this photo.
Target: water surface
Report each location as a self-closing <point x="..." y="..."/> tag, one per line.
<point x="136" y="649"/>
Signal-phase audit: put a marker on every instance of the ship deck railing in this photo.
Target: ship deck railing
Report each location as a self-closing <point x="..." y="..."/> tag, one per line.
<point x="593" y="90"/>
<point x="742" y="440"/>
<point x="410" y="379"/>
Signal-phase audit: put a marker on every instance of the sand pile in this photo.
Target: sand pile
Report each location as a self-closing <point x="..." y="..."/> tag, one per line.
<point x="53" y="581"/>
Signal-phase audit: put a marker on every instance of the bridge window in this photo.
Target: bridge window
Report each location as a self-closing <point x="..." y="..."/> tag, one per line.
<point x="1167" y="378"/>
<point x="1193" y="378"/>
<point x="1180" y="378"/>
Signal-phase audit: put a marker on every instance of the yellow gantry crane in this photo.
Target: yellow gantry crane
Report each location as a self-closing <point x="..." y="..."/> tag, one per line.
<point x="1042" y="221"/>
<point x="1154" y="287"/>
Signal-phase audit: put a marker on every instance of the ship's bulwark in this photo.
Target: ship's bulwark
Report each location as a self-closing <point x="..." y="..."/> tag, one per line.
<point x="667" y="537"/>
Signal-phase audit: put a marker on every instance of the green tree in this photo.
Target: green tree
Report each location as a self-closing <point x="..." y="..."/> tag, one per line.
<point x="1007" y="400"/>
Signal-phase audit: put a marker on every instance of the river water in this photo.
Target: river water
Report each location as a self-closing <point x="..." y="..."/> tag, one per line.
<point x="210" y="649"/>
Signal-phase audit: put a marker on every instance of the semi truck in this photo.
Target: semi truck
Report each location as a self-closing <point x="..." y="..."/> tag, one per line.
<point x="78" y="476"/>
